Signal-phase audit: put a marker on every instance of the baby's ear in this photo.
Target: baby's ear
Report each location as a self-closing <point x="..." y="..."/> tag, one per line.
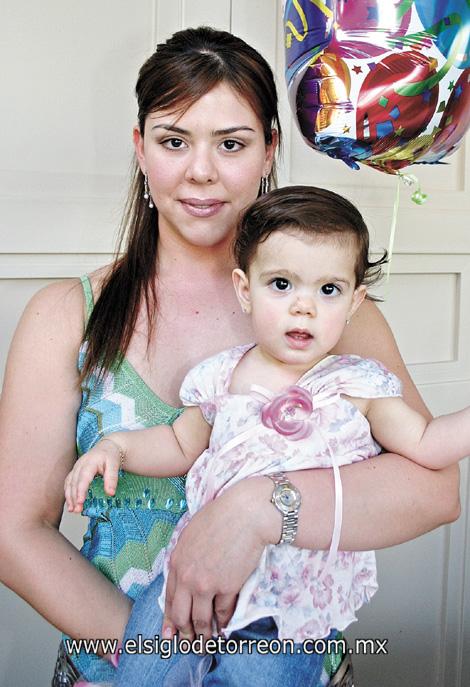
<point x="242" y="289"/>
<point x="358" y="296"/>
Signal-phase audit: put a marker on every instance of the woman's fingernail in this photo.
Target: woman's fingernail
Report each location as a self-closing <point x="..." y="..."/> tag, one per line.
<point x="114" y="658"/>
<point x="167" y="632"/>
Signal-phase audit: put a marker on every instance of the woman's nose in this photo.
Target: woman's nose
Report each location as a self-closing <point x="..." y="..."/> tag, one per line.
<point x="201" y="168"/>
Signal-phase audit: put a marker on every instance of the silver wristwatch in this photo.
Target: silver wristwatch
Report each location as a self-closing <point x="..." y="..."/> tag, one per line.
<point x="287" y="499"/>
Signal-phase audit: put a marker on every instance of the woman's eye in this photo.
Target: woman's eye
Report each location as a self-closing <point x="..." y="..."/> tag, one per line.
<point x="330" y="289"/>
<point x="230" y="145"/>
<point x="280" y="284"/>
<point x="173" y="143"/>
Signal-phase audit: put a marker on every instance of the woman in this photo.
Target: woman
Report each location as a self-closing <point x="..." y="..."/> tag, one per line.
<point x="205" y="144"/>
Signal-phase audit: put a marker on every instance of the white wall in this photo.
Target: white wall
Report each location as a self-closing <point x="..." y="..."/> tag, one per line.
<point x="67" y="111"/>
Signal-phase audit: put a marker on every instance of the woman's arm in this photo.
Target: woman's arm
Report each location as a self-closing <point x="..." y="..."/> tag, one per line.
<point x="387" y="500"/>
<point x="38" y="411"/>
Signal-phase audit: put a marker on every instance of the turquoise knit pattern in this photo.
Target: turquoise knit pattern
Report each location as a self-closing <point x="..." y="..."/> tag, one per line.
<point x="126" y="532"/>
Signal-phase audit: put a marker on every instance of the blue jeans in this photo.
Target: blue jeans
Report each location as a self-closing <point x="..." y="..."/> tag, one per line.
<point x="183" y="669"/>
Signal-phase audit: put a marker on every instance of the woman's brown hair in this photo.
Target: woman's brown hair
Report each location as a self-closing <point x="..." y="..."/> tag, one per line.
<point x="183" y="69"/>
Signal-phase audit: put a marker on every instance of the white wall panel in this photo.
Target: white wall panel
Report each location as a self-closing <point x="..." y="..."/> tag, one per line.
<point x="455" y="647"/>
<point x="407" y="610"/>
<point x="216" y="14"/>
<point x="67" y="120"/>
<point x="431" y="319"/>
<point x="424" y="339"/>
<point x="168" y="19"/>
<point x="179" y="14"/>
<point x="258" y="23"/>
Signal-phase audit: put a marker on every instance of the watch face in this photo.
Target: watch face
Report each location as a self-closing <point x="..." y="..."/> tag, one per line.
<point x="287" y="498"/>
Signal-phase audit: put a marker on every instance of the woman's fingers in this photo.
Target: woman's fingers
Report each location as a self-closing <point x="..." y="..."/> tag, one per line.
<point x="202" y="616"/>
<point x="181" y="607"/>
<point x="224" y="607"/>
<point x="168" y="628"/>
<point x="189" y="616"/>
<point x="216" y="552"/>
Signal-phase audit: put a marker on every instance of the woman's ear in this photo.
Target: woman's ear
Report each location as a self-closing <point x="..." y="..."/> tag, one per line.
<point x="271" y="152"/>
<point x="242" y="289"/>
<point x="139" y="148"/>
<point x="358" y="296"/>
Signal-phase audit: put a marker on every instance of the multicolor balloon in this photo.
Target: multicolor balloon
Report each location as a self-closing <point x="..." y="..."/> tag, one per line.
<point x="385" y="83"/>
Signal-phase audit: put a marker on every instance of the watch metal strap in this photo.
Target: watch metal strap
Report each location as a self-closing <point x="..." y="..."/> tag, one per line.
<point x="290" y="521"/>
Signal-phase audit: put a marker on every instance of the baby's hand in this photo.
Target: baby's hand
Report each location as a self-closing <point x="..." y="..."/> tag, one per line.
<point x="103" y="459"/>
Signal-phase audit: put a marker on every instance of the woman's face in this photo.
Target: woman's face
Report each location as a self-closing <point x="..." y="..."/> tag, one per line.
<point x="204" y="167"/>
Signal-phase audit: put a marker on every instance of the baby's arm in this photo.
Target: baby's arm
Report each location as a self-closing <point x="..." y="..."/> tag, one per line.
<point x="434" y="444"/>
<point x="160" y="451"/>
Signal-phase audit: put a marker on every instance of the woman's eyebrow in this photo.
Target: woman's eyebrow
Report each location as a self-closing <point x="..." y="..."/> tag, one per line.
<point x="217" y="132"/>
<point x="231" y="130"/>
<point x="171" y="127"/>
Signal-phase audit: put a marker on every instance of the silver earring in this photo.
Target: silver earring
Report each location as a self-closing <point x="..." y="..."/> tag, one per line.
<point x="348" y="321"/>
<point x="265" y="184"/>
<point x="147" y="195"/>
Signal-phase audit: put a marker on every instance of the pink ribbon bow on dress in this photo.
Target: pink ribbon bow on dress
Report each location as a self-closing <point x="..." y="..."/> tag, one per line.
<point x="289" y="413"/>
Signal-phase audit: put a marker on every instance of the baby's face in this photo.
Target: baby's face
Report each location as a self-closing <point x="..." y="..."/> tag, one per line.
<point x="300" y="291"/>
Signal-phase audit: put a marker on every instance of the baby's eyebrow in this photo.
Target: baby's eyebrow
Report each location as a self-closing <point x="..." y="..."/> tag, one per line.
<point x="277" y="273"/>
<point x="341" y="280"/>
<point x="326" y="279"/>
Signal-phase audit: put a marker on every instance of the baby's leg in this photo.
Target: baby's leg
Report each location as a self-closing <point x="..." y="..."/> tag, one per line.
<point x="267" y="669"/>
<point x="158" y="666"/>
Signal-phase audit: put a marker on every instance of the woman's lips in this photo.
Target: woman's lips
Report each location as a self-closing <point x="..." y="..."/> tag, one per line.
<point x="198" y="207"/>
<point x="298" y="339"/>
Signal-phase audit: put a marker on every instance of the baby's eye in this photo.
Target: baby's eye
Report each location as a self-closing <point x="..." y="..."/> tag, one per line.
<point x="231" y="146"/>
<point x="330" y="290"/>
<point x="173" y="143"/>
<point x="281" y="284"/>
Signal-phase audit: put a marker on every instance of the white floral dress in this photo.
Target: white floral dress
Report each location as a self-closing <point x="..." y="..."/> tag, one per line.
<point x="288" y="583"/>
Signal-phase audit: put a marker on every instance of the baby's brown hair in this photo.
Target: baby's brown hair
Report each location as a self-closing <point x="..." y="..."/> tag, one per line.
<point x="311" y="211"/>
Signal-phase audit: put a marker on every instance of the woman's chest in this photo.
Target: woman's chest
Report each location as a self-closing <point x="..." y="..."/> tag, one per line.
<point x="183" y="336"/>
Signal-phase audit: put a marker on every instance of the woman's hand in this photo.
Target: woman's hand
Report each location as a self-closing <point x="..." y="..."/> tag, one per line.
<point x="215" y="554"/>
<point x="103" y="459"/>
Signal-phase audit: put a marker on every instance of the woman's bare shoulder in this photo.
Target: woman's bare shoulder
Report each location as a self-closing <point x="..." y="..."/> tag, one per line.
<point x="62" y="303"/>
<point x="60" y="300"/>
<point x="52" y="322"/>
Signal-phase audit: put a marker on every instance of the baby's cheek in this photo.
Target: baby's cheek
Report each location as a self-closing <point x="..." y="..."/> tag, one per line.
<point x="268" y="320"/>
<point x="334" y="326"/>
